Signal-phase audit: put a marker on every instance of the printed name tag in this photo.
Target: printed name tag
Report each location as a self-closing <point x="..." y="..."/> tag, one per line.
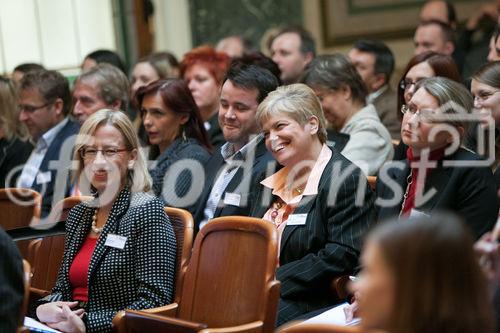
<point x="43" y="177"/>
<point x="116" y="241"/>
<point x="296" y="219"/>
<point x="232" y="199"/>
<point x="417" y="213"/>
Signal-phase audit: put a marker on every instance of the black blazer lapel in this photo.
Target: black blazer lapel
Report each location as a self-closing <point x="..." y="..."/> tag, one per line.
<point x="438" y="178"/>
<point x="304" y="207"/>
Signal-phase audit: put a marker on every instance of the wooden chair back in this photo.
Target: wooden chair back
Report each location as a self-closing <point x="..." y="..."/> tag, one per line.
<point x="183" y="224"/>
<point x="130" y="321"/>
<point x="26" y="282"/>
<point x="230" y="276"/>
<point x="47" y="253"/>
<point x="19" y="208"/>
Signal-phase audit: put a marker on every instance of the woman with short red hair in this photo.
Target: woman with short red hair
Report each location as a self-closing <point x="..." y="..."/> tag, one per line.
<point x="204" y="68"/>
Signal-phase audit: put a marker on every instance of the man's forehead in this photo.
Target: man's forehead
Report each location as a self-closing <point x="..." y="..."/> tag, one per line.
<point x="30" y="93"/>
<point x="287" y="39"/>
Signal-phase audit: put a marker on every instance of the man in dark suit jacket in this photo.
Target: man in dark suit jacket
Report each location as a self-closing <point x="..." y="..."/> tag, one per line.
<point x="44" y="103"/>
<point x="232" y="170"/>
<point x="374" y="62"/>
<point x="11" y="284"/>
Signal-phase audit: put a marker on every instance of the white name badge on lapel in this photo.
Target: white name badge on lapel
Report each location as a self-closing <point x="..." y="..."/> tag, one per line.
<point x="418" y="213"/>
<point x="116" y="241"/>
<point x="296" y="219"/>
<point x="232" y="199"/>
<point x="43" y="177"/>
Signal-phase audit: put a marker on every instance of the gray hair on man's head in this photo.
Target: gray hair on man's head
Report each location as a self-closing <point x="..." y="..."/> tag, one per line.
<point x="111" y="84"/>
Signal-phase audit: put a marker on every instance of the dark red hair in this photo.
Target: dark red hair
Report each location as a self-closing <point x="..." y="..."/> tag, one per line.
<point x="215" y="62"/>
<point x="176" y="95"/>
<point x="442" y="65"/>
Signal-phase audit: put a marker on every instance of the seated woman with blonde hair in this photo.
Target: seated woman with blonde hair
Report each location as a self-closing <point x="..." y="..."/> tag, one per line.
<point x="319" y="201"/>
<point x="120" y="248"/>
<point x="423" y="276"/>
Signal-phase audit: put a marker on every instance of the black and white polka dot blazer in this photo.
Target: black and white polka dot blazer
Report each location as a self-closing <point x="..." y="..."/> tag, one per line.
<point x="139" y="276"/>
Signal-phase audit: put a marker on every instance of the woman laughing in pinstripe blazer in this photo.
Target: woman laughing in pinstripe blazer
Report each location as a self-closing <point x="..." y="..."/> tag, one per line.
<point x="120" y="247"/>
<point x="312" y="205"/>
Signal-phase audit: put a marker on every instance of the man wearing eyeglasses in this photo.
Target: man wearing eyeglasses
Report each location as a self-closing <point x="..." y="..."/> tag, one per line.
<point x="44" y="103"/>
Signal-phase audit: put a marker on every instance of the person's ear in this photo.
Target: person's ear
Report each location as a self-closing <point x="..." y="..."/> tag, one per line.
<point x="345" y="90"/>
<point x="132" y="159"/>
<point x="449" y="48"/>
<point x="117" y="105"/>
<point x="313" y="125"/>
<point x="58" y="106"/>
<point x="380" y="80"/>
<point x="183" y="119"/>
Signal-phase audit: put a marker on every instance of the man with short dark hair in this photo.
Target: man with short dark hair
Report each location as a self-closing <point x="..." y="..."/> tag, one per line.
<point x="236" y="167"/>
<point x="434" y="36"/>
<point x="101" y="87"/>
<point x="21" y="69"/>
<point x="44" y="103"/>
<point x="292" y="49"/>
<point x="374" y="62"/>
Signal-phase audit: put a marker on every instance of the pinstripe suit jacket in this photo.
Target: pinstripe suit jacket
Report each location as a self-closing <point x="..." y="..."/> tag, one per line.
<point x="139" y="276"/>
<point x="327" y="245"/>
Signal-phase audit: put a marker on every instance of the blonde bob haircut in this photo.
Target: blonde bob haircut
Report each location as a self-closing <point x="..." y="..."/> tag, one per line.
<point x="138" y="177"/>
<point x="296" y="101"/>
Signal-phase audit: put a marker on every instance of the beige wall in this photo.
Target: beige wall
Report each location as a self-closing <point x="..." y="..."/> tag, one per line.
<point x="402" y="48"/>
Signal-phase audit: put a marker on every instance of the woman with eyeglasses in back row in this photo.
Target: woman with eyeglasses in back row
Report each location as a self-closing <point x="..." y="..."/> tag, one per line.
<point x="421" y="66"/>
<point x="485" y="88"/>
<point x="437" y="172"/>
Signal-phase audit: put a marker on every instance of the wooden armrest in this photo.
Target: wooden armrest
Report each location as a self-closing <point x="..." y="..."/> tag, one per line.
<point x="339" y="286"/>
<point x="39" y="292"/>
<point x="169" y="310"/>
<point x="253" y="327"/>
<point x="130" y="319"/>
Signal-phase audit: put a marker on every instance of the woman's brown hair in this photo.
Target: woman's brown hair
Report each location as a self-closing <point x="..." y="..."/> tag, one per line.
<point x="438" y="284"/>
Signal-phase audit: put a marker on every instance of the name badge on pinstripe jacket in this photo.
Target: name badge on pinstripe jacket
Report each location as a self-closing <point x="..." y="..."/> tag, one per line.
<point x="296" y="219"/>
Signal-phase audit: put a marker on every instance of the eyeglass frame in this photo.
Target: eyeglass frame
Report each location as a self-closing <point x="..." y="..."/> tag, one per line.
<point x="104" y="153"/>
<point x="404" y="86"/>
<point x="32" y="109"/>
<point x="405" y="109"/>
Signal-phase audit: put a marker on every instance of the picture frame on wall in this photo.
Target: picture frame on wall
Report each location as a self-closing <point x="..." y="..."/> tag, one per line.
<point x="345" y="21"/>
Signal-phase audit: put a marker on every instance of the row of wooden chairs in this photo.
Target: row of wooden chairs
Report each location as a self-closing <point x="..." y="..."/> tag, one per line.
<point x="227" y="285"/>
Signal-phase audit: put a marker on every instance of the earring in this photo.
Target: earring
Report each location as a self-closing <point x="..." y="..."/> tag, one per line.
<point x="184" y="134"/>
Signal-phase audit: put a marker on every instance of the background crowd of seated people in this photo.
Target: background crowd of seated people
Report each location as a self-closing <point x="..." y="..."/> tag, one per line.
<point x="266" y="146"/>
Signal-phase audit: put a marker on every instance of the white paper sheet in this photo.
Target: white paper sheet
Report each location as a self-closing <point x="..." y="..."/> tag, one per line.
<point x="37" y="326"/>
<point x="335" y="316"/>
